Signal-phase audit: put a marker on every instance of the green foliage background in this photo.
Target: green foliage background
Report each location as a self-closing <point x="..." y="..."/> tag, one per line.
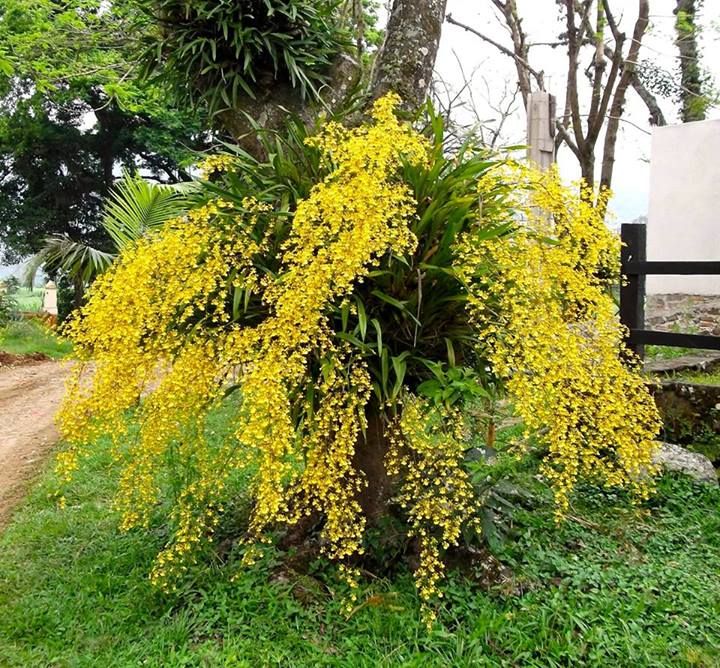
<point x="72" y="111"/>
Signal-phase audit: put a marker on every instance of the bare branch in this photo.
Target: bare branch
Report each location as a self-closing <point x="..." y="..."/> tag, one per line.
<point x="521" y="63"/>
<point x="617" y="34"/>
<point x="567" y="138"/>
<point x="538" y="75"/>
<point x="618" y="102"/>
<point x="598" y="65"/>
<point x="572" y="98"/>
<point x="656" y="114"/>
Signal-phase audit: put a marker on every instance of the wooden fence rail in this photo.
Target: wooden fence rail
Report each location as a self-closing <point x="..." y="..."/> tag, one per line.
<point x="635" y="267"/>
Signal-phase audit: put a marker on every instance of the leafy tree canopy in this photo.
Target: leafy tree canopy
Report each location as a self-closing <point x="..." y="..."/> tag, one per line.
<point x="72" y="114"/>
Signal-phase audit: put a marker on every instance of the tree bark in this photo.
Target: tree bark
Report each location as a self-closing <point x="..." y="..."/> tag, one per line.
<point x="370" y="453"/>
<point x="270" y="109"/>
<point x="407" y="57"/>
<point x="520" y="47"/>
<point x="404" y="65"/>
<point x="691" y="84"/>
<point x="618" y="103"/>
<point x="586" y="158"/>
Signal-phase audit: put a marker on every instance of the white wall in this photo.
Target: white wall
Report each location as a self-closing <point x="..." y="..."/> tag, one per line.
<point x="684" y="213"/>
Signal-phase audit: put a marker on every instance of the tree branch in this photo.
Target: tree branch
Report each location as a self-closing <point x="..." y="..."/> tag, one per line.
<point x="572" y="98"/>
<point x="519" y="60"/>
<point x="567" y="138"/>
<point x="618" y="102"/>
<point x="656" y="113"/>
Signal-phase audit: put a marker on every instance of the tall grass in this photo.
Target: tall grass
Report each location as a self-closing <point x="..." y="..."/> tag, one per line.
<point x="29" y="300"/>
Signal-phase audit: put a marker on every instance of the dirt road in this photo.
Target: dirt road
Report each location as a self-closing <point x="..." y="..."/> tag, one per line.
<point x="29" y="397"/>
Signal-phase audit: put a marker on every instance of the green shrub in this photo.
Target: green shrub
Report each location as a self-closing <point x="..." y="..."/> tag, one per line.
<point x="11" y="285"/>
<point x="8" y="309"/>
<point x="25" y="337"/>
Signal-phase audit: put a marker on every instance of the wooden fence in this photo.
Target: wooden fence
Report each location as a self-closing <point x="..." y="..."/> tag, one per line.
<point x="635" y="267"/>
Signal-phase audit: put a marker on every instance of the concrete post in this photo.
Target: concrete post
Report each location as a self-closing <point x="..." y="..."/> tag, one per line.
<point x="541" y="129"/>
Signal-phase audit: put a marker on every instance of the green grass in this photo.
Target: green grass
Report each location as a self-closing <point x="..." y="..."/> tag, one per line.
<point x="668" y="352"/>
<point x="704" y="378"/>
<point x="27" y="336"/>
<point x="28" y="300"/>
<point x="615" y="585"/>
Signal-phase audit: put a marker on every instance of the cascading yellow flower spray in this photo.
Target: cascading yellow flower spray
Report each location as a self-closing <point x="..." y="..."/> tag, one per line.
<point x="159" y="336"/>
<point x="161" y="310"/>
<point x="549" y="328"/>
<point x="426" y="453"/>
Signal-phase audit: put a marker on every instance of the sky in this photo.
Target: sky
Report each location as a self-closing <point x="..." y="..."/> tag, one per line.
<point x="494" y="72"/>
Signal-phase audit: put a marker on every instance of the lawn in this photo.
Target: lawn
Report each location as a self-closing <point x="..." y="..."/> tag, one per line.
<point x="615" y="585"/>
<point x="672" y="352"/>
<point x="29" y="300"/>
<point x="29" y="336"/>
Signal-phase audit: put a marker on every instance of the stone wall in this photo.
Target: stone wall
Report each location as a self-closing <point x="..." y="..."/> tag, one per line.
<point x="691" y="314"/>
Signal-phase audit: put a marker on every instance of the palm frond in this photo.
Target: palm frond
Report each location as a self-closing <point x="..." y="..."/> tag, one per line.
<point x="136" y="206"/>
<point x="79" y="260"/>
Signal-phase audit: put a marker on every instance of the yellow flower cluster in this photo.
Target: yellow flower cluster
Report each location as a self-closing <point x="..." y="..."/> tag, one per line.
<point x="162" y="334"/>
<point x="330" y="483"/>
<point x="137" y="318"/>
<point x="550" y="330"/>
<point x="357" y="214"/>
<point x="426" y="454"/>
<point x="157" y="323"/>
<point x="214" y="164"/>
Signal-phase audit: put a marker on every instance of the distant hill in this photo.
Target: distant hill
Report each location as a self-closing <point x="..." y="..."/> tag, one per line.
<point x="18" y="270"/>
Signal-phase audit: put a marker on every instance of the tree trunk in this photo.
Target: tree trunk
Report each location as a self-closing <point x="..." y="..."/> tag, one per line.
<point x="407" y="57"/>
<point x="587" y="165"/>
<point x="369" y="460"/>
<point x="78" y="292"/>
<point x="691" y="84"/>
<point x="404" y="65"/>
<point x="370" y="453"/>
<point x="271" y="108"/>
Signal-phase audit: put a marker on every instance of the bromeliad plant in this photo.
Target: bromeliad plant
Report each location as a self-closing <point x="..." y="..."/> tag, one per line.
<point x="217" y="52"/>
<point x="353" y="293"/>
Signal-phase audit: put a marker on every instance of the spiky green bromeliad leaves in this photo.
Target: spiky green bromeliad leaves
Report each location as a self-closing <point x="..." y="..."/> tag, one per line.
<point x="215" y="52"/>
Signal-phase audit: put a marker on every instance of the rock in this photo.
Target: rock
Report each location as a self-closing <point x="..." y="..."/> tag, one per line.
<point x="703" y="362"/>
<point x="676" y="458"/>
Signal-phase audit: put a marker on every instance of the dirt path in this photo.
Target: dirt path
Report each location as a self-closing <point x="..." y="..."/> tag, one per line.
<point x="29" y="397"/>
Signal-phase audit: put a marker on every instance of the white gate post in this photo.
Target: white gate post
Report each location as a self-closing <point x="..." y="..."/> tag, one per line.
<point x="49" y="304"/>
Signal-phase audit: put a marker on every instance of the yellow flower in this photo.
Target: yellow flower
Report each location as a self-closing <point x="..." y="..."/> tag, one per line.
<point x="550" y="331"/>
<point x="157" y="324"/>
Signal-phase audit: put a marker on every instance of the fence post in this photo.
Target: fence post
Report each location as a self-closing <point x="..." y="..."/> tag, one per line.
<point x="632" y="287"/>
